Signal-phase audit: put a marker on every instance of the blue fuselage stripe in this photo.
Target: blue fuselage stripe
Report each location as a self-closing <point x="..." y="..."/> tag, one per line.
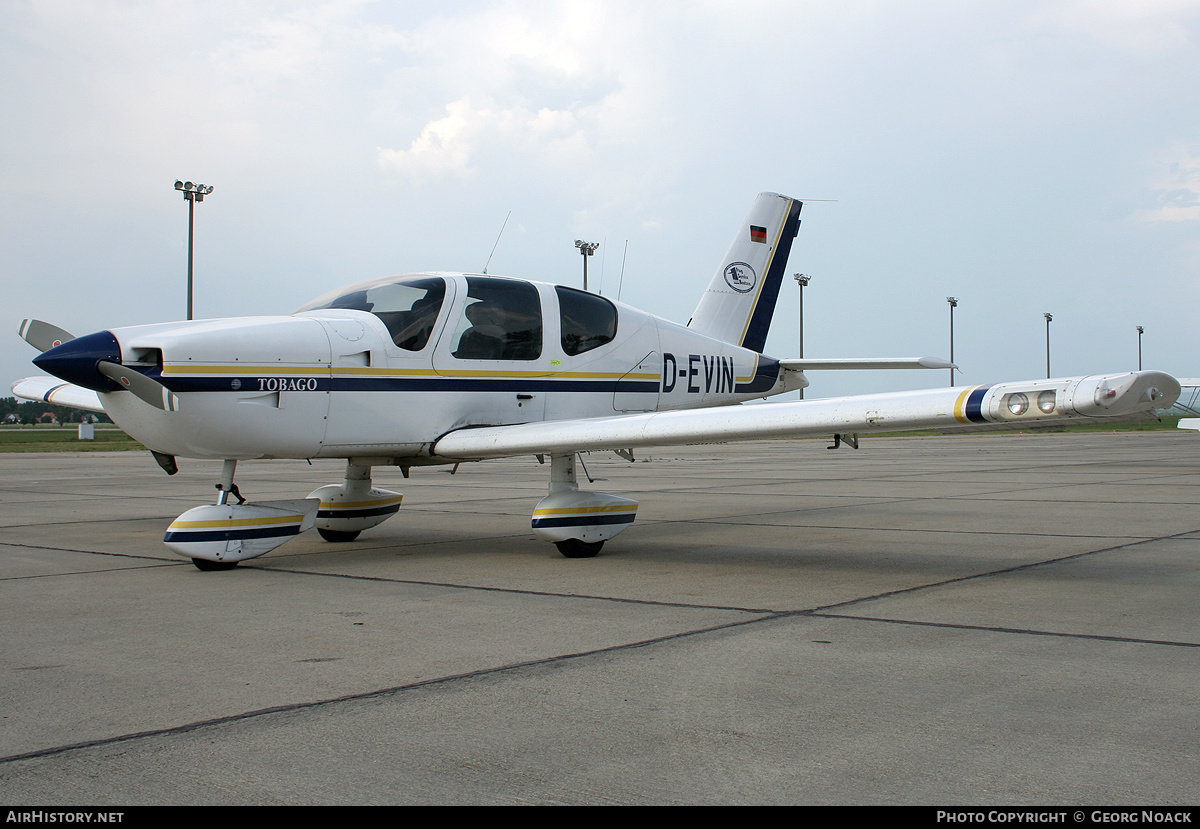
<point x="397" y="384"/>
<point x="764" y="379"/>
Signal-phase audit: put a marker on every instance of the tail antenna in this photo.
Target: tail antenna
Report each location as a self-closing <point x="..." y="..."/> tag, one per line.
<point x="622" y="280"/>
<point x="498" y="235"/>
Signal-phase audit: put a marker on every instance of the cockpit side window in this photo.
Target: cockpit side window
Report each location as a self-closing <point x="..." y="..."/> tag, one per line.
<point x="588" y="321"/>
<point x="502" y="320"/>
<point x="408" y="309"/>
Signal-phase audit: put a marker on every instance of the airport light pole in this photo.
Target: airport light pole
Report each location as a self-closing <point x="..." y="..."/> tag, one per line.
<point x="801" y="280"/>
<point x="1140" y="331"/>
<point x="192" y="193"/>
<point x="953" y="302"/>
<point x="587" y="249"/>
<point x="1048" y="317"/>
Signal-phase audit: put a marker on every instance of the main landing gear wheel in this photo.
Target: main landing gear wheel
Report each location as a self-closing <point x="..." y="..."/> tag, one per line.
<point x="212" y="566"/>
<point x="337" y="536"/>
<point x="574" y="548"/>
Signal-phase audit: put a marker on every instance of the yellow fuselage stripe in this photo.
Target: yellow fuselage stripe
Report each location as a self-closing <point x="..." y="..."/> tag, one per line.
<point x="241" y="371"/>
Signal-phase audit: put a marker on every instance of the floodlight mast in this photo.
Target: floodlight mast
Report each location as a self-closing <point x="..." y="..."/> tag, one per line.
<point x="192" y="193"/>
<point x="802" y="280"/>
<point x="1049" y="318"/>
<point x="953" y="302"/>
<point x="1140" y="331"/>
<point x="587" y="249"/>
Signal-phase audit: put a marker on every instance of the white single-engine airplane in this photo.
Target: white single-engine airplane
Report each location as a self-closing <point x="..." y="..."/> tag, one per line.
<point x="442" y="368"/>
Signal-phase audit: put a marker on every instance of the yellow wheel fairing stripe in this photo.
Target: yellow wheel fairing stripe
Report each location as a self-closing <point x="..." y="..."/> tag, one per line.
<point x="235" y="522"/>
<point x="586" y="510"/>
<point x="327" y="505"/>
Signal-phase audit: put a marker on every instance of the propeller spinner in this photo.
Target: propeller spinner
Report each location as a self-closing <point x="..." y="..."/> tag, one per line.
<point x="94" y="362"/>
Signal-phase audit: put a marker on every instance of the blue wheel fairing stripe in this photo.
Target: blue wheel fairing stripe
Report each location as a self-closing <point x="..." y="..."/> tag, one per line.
<point x="584" y="520"/>
<point x="232" y="535"/>
<point x="365" y="512"/>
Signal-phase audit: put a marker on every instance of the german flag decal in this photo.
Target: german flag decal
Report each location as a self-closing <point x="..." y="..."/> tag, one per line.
<point x="758" y="234"/>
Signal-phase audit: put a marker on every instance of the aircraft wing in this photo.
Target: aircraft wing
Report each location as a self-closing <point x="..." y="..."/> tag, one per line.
<point x="808" y="364"/>
<point x="1034" y="402"/>
<point x="50" y="390"/>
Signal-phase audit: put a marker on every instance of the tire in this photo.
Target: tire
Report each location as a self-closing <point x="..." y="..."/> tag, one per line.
<point x="575" y="548"/>
<point x="213" y="566"/>
<point x="338" y="536"/>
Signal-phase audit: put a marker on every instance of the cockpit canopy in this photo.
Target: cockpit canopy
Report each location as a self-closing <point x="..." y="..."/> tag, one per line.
<point x="501" y="319"/>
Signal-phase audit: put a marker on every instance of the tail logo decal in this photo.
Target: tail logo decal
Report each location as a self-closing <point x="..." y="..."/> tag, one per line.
<point x="740" y="277"/>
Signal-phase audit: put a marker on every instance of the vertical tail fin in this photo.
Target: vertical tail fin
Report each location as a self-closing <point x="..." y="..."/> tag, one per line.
<point x="740" y="300"/>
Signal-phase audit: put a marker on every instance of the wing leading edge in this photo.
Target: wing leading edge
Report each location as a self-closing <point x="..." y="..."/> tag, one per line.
<point x="1013" y="404"/>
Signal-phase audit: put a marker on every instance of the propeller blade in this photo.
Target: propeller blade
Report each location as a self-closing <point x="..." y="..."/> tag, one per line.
<point x="42" y="335"/>
<point x="145" y="389"/>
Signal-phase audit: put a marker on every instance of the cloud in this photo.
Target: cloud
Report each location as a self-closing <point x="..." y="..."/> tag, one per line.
<point x="444" y="145"/>
<point x="1177" y="184"/>
<point x="448" y="145"/>
<point x="1132" y="26"/>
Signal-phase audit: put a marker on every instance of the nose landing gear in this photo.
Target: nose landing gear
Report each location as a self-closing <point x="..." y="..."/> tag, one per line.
<point x="218" y="536"/>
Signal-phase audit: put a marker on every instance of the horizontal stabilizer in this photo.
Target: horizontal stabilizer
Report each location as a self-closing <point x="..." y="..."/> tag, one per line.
<point x="806" y="364"/>
<point x="51" y="390"/>
<point x="1032" y="402"/>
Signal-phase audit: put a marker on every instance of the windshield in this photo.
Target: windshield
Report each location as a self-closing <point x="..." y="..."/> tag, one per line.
<point x="408" y="307"/>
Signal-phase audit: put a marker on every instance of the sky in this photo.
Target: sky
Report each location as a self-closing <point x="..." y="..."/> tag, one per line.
<point x="1025" y="157"/>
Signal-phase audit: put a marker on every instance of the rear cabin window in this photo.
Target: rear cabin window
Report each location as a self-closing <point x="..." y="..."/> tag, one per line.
<point x="502" y="320"/>
<point x="588" y="321"/>
<point x="408" y="309"/>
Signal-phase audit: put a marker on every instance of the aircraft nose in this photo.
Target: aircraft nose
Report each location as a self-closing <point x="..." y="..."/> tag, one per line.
<point x="75" y="360"/>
